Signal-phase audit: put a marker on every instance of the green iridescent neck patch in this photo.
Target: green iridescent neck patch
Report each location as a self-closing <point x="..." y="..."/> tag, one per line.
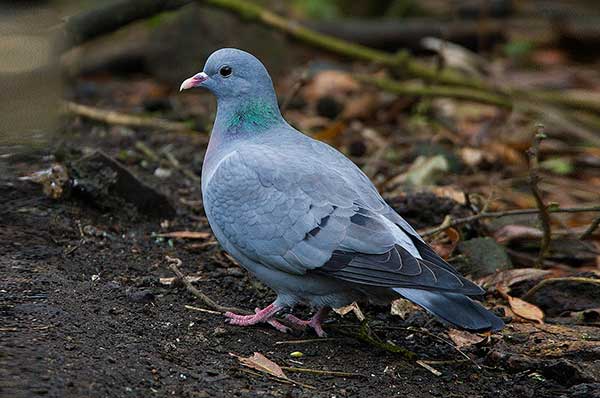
<point x="254" y="114"/>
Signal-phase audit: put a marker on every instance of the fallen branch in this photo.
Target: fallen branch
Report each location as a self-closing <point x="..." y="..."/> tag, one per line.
<point x="417" y="89"/>
<point x="534" y="179"/>
<point x="174" y="264"/>
<point x="449" y="222"/>
<point x="124" y="119"/>
<point x="590" y="231"/>
<point x="529" y="295"/>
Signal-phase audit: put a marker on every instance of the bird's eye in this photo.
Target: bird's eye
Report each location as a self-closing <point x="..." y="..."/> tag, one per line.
<point x="225" y="71"/>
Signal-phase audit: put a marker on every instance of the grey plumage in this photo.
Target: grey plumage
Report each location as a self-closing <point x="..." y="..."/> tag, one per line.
<point x="303" y="218"/>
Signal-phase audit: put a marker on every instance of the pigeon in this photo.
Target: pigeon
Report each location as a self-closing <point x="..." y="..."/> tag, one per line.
<point x="305" y="220"/>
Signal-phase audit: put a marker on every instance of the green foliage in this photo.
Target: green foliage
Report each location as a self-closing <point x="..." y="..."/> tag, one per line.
<point x="318" y="9"/>
<point x="562" y="166"/>
<point x="518" y="49"/>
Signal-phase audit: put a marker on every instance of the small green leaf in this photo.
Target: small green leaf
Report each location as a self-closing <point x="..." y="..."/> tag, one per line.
<point x="561" y="166"/>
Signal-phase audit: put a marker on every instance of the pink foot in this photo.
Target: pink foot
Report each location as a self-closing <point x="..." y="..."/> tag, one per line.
<point x="266" y="315"/>
<point x="314" y="322"/>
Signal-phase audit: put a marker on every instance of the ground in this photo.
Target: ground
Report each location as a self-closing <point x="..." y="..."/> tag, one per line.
<point x="84" y="312"/>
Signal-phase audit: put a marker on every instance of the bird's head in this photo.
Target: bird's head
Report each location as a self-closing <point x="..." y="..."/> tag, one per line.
<point x="230" y="73"/>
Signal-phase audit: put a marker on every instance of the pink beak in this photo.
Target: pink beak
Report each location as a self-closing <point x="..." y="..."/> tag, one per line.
<point x="193" y="81"/>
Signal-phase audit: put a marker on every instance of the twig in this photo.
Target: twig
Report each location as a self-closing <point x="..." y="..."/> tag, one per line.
<point x="429" y="368"/>
<point x="124" y="119"/>
<point x="174" y="264"/>
<point x="366" y="335"/>
<point x="534" y="179"/>
<point x="590" y="230"/>
<point x="499" y="214"/>
<point x="187" y="172"/>
<point x="152" y="155"/>
<point x="322" y="372"/>
<point x="190" y="307"/>
<point x="307" y="341"/>
<point x="443" y="340"/>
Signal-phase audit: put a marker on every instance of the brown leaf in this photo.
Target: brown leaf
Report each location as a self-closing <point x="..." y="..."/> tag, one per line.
<point x="508" y="233"/>
<point x="352" y="307"/>
<point x="330" y="83"/>
<point x="445" y="248"/>
<point x="186" y="235"/>
<point x="330" y="132"/>
<point x="448" y="191"/>
<point x="525" y="310"/>
<point x="361" y="106"/>
<point x="262" y="364"/>
<point x="505" y="279"/>
<point x="462" y="338"/>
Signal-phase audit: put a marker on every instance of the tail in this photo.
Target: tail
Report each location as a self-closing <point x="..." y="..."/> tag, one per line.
<point x="454" y="308"/>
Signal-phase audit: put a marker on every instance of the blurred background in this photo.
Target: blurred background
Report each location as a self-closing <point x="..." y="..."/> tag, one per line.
<point x="439" y="95"/>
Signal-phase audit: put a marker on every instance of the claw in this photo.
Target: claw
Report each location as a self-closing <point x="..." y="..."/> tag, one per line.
<point x="314" y="322"/>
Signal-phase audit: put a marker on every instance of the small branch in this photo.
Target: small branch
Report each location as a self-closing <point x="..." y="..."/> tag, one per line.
<point x="417" y="89"/>
<point x="309" y="341"/>
<point x="174" y="264"/>
<point x="534" y="179"/>
<point x="366" y="335"/>
<point x="322" y="372"/>
<point x="529" y="295"/>
<point x="499" y="214"/>
<point x="430" y="368"/>
<point x="124" y="119"/>
<point x="590" y="231"/>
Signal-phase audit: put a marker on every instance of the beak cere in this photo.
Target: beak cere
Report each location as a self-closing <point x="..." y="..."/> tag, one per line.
<point x="193" y="81"/>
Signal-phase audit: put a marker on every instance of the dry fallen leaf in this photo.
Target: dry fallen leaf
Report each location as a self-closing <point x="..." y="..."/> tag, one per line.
<point x="521" y="307"/>
<point x="462" y="338"/>
<point x="352" y="307"/>
<point x="448" y="191"/>
<point x="185" y="235"/>
<point x="508" y="233"/>
<point x="261" y="363"/>
<point x="525" y="310"/>
<point x="505" y="279"/>
<point x="330" y="83"/>
<point x="445" y="247"/>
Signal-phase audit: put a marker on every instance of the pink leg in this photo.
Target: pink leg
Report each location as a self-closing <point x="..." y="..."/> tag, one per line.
<point x="266" y="315"/>
<point x="314" y="322"/>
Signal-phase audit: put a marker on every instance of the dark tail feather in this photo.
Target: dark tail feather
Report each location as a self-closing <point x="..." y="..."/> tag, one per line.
<point x="454" y="308"/>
